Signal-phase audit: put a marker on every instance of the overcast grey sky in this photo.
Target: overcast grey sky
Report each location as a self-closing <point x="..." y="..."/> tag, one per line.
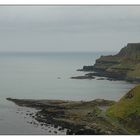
<point x="68" y="28"/>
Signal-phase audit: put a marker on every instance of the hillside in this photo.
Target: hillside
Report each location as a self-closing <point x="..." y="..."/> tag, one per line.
<point x="123" y="66"/>
<point x="127" y="110"/>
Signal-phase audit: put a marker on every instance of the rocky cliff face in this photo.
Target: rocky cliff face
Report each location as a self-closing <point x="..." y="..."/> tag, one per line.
<point x="132" y="51"/>
<point x="125" y="64"/>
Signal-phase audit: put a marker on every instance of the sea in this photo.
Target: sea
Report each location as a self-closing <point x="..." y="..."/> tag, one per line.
<point x="46" y="75"/>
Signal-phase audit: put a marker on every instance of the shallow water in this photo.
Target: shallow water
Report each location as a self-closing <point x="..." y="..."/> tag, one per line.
<point x="47" y="76"/>
<point x="14" y="120"/>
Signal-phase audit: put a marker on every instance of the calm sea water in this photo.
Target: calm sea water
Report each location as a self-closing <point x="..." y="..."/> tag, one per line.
<point x="35" y="76"/>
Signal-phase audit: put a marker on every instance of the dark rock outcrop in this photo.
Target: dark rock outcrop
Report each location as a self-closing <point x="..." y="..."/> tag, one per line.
<point x="83" y="77"/>
<point x="86" y="68"/>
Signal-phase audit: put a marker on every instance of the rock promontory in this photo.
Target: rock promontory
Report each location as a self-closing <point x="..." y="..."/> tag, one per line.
<point x="124" y="65"/>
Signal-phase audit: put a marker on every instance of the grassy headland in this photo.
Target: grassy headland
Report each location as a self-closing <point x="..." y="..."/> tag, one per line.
<point x="123" y="66"/>
<point x="127" y="110"/>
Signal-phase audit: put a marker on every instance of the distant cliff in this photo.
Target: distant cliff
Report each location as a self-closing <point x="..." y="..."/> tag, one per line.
<point x="125" y="65"/>
<point x="132" y="51"/>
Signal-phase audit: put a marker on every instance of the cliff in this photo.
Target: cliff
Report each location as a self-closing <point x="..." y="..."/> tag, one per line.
<point x="124" y="66"/>
<point x="127" y="110"/>
<point x="132" y="51"/>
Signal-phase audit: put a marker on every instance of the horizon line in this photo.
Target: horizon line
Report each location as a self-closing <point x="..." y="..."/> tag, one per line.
<point x="54" y="51"/>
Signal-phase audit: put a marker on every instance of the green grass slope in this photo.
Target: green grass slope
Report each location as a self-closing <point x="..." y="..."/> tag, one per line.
<point x="127" y="110"/>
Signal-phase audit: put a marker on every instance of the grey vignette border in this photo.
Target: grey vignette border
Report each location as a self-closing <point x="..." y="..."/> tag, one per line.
<point x="82" y="5"/>
<point x="70" y="5"/>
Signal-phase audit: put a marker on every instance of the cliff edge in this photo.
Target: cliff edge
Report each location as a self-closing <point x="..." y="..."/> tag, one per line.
<point x="123" y="66"/>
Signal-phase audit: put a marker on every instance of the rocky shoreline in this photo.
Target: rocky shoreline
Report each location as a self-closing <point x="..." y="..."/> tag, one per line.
<point x="78" y="117"/>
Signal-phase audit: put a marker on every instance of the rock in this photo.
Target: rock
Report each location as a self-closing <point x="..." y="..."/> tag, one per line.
<point x="86" y="68"/>
<point x="69" y="132"/>
<point x="30" y="114"/>
<point x="55" y="126"/>
<point x="101" y="79"/>
<point x="83" y="77"/>
<point x="60" y="129"/>
<point x="85" y="132"/>
<point x="129" y="95"/>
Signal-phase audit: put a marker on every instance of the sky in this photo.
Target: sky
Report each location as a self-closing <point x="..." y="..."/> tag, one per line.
<point x="68" y="28"/>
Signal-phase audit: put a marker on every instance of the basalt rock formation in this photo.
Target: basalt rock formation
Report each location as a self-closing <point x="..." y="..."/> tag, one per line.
<point x="123" y="66"/>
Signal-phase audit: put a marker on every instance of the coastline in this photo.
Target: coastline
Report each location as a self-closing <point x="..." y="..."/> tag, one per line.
<point x="99" y="116"/>
<point x="125" y="65"/>
<point x="78" y="117"/>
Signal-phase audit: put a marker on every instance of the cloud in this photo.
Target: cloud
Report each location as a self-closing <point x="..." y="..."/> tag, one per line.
<point x="68" y="28"/>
